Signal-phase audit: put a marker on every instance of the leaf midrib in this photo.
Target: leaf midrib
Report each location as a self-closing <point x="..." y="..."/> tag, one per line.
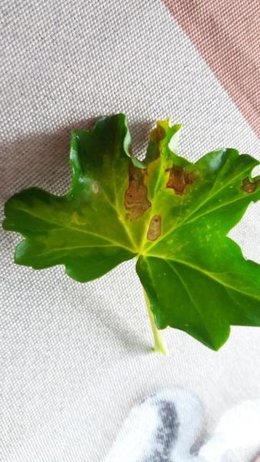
<point x="79" y="230"/>
<point x="186" y="288"/>
<point x="200" y="270"/>
<point x="116" y="208"/>
<point x="188" y="221"/>
<point x="210" y="196"/>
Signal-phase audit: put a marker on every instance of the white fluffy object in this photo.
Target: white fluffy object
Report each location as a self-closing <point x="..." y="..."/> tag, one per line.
<point x="162" y="428"/>
<point x="165" y="426"/>
<point x="237" y="436"/>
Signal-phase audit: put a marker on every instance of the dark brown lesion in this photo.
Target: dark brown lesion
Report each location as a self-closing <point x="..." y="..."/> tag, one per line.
<point x="136" y="201"/>
<point x="158" y="134"/>
<point x="250" y="186"/>
<point x="155" y="228"/>
<point x="179" y="179"/>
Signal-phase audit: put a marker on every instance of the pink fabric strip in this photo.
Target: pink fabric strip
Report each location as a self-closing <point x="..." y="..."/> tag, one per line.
<point x="227" y="33"/>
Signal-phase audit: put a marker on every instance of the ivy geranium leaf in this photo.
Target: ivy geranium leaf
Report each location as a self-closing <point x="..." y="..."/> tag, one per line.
<point x="169" y="213"/>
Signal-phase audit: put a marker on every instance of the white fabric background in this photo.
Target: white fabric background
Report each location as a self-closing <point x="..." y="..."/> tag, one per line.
<point x="74" y="357"/>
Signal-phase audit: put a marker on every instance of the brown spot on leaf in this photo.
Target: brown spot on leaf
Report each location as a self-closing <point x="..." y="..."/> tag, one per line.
<point x="250" y="186"/>
<point x="136" y="201"/>
<point x="179" y="179"/>
<point x="158" y="134"/>
<point x="155" y="228"/>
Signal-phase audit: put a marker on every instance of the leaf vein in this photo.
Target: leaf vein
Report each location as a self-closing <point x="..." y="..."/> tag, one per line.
<point x="206" y="273"/>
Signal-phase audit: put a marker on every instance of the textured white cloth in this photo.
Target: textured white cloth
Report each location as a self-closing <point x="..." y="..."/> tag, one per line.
<point x="75" y="357"/>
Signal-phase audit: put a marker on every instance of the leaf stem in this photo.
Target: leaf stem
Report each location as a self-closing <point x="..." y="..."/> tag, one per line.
<point x="159" y="344"/>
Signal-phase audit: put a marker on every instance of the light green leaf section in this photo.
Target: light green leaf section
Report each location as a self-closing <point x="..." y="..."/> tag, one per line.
<point x="171" y="214"/>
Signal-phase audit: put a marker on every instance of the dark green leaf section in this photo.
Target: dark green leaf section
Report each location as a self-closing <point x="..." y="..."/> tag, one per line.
<point x="206" y="302"/>
<point x="83" y="230"/>
<point x="195" y="276"/>
<point x="173" y="215"/>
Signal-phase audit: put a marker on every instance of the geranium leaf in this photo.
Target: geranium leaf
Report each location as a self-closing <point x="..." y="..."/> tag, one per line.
<point x="173" y="215"/>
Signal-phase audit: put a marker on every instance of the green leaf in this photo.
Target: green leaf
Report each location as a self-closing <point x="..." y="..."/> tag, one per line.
<point x="171" y="214"/>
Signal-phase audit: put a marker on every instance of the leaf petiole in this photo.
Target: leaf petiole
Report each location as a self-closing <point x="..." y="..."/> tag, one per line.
<point x="159" y="344"/>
